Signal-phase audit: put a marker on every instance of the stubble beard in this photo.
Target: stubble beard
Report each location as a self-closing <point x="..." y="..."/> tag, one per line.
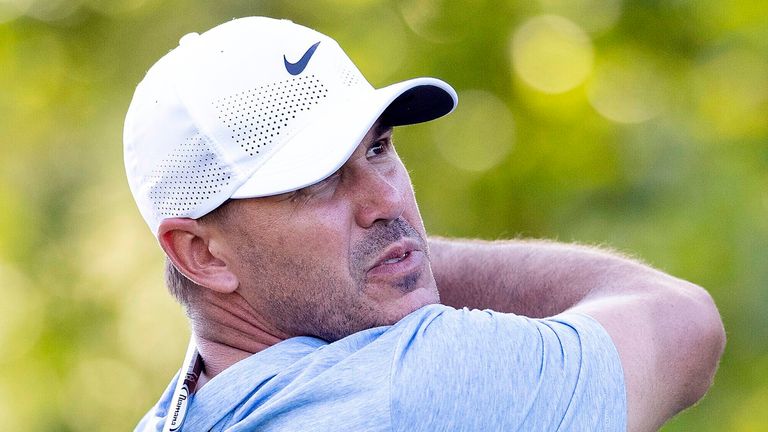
<point x="317" y="304"/>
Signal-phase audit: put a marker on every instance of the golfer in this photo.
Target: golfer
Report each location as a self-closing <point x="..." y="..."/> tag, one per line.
<point x="265" y="165"/>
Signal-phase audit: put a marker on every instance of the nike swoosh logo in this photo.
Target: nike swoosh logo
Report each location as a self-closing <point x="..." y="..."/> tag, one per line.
<point x="298" y="67"/>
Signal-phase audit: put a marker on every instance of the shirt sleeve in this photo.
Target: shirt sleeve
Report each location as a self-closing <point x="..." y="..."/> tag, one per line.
<point x="482" y="370"/>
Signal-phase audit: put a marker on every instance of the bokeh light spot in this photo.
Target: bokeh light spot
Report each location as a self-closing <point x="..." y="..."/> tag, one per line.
<point x="355" y="4"/>
<point x="627" y="89"/>
<point x="99" y="391"/>
<point x="53" y="10"/>
<point x="12" y="9"/>
<point x="21" y="313"/>
<point x="115" y="7"/>
<point x="435" y="20"/>
<point x="594" y="16"/>
<point x="552" y="54"/>
<point x="388" y="36"/>
<point x="7" y="412"/>
<point x="480" y="133"/>
<point x="732" y="93"/>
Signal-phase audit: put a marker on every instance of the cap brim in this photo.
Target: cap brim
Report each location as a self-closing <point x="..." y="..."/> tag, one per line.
<point x="324" y="145"/>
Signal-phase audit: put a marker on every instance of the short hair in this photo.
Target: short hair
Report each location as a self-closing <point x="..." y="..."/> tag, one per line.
<point x="179" y="286"/>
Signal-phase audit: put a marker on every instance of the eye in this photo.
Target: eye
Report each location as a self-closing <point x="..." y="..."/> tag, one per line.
<point x="379" y="147"/>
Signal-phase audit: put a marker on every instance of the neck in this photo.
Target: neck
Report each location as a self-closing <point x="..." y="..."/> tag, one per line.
<point x="227" y="329"/>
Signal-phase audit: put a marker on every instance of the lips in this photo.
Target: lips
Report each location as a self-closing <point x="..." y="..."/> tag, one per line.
<point x="401" y="257"/>
<point x="396" y="259"/>
<point x="396" y="252"/>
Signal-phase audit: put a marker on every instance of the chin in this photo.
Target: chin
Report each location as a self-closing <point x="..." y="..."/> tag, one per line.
<point x="413" y="301"/>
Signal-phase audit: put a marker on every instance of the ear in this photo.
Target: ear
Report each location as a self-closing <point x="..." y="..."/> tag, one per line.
<point x="187" y="243"/>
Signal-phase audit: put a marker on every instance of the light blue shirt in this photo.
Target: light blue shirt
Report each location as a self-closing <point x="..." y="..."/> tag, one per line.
<point x="437" y="369"/>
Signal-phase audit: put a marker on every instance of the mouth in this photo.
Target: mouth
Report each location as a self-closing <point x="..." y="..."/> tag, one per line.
<point x="396" y="259"/>
<point x="401" y="258"/>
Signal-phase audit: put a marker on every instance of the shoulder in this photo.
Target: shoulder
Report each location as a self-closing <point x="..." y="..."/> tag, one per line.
<point x="464" y="367"/>
<point x="293" y="385"/>
<point x="437" y="325"/>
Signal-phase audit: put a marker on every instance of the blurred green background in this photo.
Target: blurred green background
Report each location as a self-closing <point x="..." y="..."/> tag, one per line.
<point x="638" y="124"/>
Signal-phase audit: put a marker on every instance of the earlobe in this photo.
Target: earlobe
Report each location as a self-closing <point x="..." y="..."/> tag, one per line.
<point x="187" y="244"/>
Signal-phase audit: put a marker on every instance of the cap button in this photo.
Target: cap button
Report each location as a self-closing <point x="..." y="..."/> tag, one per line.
<point x="188" y="38"/>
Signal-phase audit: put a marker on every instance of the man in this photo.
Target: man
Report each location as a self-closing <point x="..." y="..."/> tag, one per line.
<point x="263" y="162"/>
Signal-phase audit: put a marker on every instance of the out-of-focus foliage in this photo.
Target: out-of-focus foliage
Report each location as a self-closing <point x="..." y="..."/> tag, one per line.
<point x="642" y="125"/>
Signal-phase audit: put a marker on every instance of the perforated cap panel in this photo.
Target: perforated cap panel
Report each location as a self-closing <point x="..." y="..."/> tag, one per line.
<point x="352" y="77"/>
<point x="188" y="177"/>
<point x="261" y="116"/>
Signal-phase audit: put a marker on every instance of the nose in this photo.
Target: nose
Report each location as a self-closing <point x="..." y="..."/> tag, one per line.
<point x="377" y="198"/>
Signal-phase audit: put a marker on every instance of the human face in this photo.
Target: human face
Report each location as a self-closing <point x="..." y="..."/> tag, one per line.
<point x="345" y="254"/>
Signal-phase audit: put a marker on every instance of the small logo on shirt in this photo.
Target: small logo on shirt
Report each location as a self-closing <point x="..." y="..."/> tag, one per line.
<point x="298" y="67"/>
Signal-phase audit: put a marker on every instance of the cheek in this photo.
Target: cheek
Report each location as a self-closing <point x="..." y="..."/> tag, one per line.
<point x="308" y="241"/>
<point x="322" y="235"/>
<point x="411" y="208"/>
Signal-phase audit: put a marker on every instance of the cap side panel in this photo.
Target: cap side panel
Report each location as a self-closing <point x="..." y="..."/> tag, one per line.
<point x="189" y="180"/>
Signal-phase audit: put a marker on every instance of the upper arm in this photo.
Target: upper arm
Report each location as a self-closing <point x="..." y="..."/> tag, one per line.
<point x="669" y="340"/>
<point x="668" y="332"/>
<point x="482" y="370"/>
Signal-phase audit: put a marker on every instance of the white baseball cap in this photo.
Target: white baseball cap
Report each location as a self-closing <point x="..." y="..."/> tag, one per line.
<point x="251" y="108"/>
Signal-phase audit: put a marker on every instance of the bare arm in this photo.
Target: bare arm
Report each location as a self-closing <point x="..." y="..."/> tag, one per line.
<point x="667" y="331"/>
